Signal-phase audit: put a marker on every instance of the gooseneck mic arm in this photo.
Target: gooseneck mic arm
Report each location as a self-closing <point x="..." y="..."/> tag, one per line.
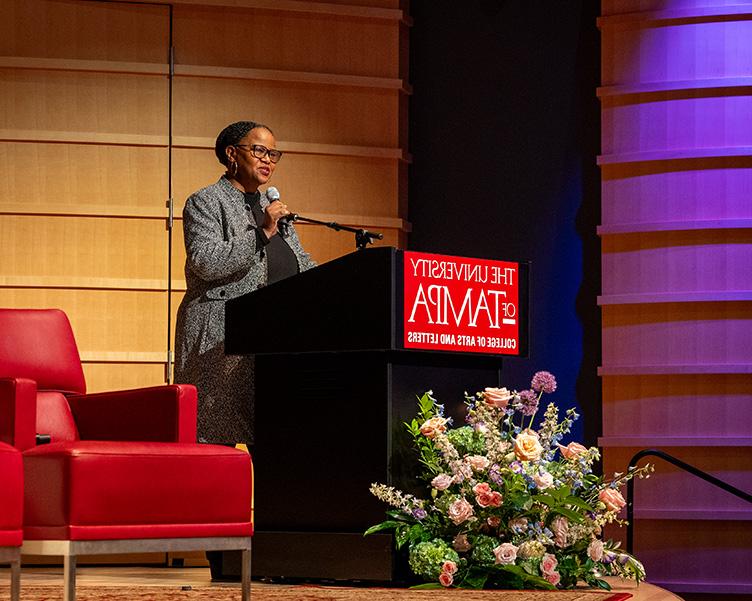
<point x="362" y="237"/>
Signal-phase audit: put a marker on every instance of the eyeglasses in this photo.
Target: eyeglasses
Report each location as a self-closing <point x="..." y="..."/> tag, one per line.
<point x="260" y="151"/>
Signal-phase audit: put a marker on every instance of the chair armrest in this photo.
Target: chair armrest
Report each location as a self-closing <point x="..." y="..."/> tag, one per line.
<point x="157" y="414"/>
<point x="18" y="408"/>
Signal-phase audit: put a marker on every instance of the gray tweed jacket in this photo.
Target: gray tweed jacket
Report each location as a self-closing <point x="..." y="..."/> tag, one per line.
<point x="223" y="261"/>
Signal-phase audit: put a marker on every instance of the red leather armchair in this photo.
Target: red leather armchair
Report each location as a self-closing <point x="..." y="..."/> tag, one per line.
<point x="122" y="472"/>
<point x="11" y="507"/>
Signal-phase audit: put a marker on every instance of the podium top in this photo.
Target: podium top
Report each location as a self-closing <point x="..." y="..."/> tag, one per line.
<point x="385" y="299"/>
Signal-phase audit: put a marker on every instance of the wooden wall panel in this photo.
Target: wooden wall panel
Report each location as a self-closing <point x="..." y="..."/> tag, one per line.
<point x="395" y="4"/>
<point x="78" y="29"/>
<point x="686" y="261"/>
<point x="85" y="177"/>
<point x="83" y="102"/>
<point x="677" y="285"/>
<point x="324" y="115"/>
<point x="309" y="183"/>
<point x="690" y="570"/>
<point x="655" y="192"/>
<point x="102" y="377"/>
<point x="678" y="334"/>
<point x="649" y="404"/>
<point x="38" y="245"/>
<point x="290" y="41"/>
<point x="109" y="325"/>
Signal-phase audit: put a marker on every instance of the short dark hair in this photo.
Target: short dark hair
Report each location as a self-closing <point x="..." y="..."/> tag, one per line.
<point x="231" y="135"/>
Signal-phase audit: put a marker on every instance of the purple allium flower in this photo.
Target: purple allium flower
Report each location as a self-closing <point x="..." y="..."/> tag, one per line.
<point x="528" y="402"/>
<point x="419" y="513"/>
<point x="543" y="380"/>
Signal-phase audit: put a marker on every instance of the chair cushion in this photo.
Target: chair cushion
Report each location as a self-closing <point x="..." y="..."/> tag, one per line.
<point x="11" y="496"/>
<point x="54" y="417"/>
<point x="96" y="490"/>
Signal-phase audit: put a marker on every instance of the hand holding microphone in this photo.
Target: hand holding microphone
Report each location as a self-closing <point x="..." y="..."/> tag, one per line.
<point x="275" y="214"/>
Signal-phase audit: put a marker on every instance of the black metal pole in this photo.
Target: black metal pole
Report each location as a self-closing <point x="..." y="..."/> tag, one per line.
<point x="170" y="200"/>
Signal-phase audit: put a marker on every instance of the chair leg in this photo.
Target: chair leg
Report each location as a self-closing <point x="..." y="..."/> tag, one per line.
<point x="69" y="578"/>
<point x="245" y="575"/>
<point x="15" y="580"/>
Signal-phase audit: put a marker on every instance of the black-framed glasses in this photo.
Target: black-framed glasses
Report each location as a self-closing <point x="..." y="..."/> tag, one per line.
<point x="260" y="151"/>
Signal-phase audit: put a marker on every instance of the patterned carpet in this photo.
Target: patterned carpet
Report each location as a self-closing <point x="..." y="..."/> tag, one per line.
<point x="296" y="593"/>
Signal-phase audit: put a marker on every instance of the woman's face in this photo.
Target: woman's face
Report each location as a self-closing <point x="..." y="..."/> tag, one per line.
<point x="252" y="171"/>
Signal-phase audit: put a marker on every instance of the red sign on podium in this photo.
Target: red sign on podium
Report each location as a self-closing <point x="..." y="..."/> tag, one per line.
<point x="461" y="304"/>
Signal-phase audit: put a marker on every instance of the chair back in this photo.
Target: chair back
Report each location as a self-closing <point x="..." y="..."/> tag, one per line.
<point x="38" y="344"/>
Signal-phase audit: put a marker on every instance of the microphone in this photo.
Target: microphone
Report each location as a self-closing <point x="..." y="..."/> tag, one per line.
<point x="272" y="194"/>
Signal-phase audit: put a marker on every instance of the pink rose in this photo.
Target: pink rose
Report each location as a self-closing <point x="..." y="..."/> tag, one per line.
<point x="543" y="481"/>
<point x="505" y="553"/>
<point x="432" y="426"/>
<point x="461" y="543"/>
<point x="549" y="564"/>
<point x="477" y="462"/>
<point x="496" y="499"/>
<point x="572" y="450"/>
<point x="442" y="482"/>
<point x="560" y="528"/>
<point x="553" y="577"/>
<point x="527" y="447"/>
<point x="446" y="579"/>
<point x="497" y="397"/>
<point x="595" y="550"/>
<point x="482" y="488"/>
<point x="460" y="511"/>
<point x="612" y="499"/>
<point x="449" y="566"/>
<point x="484" y="499"/>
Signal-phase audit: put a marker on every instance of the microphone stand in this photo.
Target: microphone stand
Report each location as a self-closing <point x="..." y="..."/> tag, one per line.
<point x="362" y="237"/>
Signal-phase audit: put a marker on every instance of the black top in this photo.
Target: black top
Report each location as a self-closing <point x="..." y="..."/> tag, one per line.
<point x="281" y="262"/>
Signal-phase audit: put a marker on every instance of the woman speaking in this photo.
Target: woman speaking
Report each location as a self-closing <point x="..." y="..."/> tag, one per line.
<point x="233" y="246"/>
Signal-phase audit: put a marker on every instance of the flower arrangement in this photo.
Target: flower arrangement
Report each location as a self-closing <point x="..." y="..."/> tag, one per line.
<point x="507" y="506"/>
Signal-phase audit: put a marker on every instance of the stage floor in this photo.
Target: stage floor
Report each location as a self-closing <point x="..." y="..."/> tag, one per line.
<point x="199" y="577"/>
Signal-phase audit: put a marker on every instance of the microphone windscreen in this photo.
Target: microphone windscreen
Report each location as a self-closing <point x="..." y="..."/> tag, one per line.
<point x="272" y="194"/>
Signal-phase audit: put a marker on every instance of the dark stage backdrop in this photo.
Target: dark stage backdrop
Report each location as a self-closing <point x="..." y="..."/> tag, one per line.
<point x="504" y="136"/>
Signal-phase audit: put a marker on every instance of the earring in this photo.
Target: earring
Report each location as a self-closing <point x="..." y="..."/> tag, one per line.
<point x="233" y="168"/>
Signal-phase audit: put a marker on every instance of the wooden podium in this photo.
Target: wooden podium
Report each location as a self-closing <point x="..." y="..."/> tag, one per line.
<point x="334" y="385"/>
